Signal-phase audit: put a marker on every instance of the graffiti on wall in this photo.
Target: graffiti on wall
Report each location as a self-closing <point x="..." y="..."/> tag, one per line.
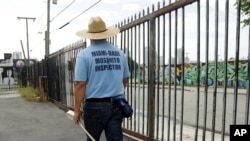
<point x="169" y="75"/>
<point x="6" y="70"/>
<point x="190" y="73"/>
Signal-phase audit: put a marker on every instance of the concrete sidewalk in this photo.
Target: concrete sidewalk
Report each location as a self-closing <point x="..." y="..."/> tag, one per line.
<point x="21" y="120"/>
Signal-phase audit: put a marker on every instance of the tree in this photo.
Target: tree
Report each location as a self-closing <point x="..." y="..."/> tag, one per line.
<point x="133" y="65"/>
<point x="245" y="11"/>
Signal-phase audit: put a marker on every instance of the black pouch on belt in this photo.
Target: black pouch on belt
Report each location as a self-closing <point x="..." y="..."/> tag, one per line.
<point x="127" y="110"/>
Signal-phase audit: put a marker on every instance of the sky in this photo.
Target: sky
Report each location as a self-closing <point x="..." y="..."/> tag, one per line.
<point x="12" y="30"/>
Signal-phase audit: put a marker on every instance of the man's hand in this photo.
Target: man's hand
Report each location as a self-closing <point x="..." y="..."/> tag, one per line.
<point x="77" y="116"/>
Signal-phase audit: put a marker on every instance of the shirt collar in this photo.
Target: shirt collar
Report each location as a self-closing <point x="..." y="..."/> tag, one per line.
<point x="99" y="41"/>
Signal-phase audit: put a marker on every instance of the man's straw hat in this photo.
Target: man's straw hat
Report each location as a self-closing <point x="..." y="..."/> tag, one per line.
<point x="97" y="30"/>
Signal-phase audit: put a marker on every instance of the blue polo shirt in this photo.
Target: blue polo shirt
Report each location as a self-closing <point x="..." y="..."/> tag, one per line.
<point x="103" y="66"/>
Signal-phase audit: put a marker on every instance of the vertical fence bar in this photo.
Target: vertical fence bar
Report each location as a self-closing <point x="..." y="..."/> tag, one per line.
<point x="70" y="72"/>
<point x="126" y="52"/>
<point x="182" y="73"/>
<point x="131" y="67"/>
<point x="121" y="41"/>
<point x="225" y="70"/>
<point x="139" y="73"/>
<point x="129" y="62"/>
<point x="248" y="80"/>
<point x="133" y="82"/>
<point x="124" y="45"/>
<point x="144" y="130"/>
<point x="59" y="76"/>
<point x="206" y="73"/>
<point x="148" y="75"/>
<point x="135" y="72"/>
<point x="215" y="70"/>
<point x="175" y="74"/>
<point x="64" y="69"/>
<point x="236" y="62"/>
<point x="57" y="79"/>
<point x="169" y="71"/>
<point x="198" y="58"/>
<point x="158" y="72"/>
<point x="152" y="75"/>
<point x="163" y="74"/>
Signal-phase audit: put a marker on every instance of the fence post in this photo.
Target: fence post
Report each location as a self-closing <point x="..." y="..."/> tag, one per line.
<point x="151" y="82"/>
<point x="40" y="85"/>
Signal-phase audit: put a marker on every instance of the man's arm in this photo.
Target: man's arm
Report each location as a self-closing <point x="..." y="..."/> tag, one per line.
<point x="80" y="87"/>
<point x="125" y="82"/>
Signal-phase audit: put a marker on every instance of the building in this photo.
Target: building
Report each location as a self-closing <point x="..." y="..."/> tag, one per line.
<point x="17" y="55"/>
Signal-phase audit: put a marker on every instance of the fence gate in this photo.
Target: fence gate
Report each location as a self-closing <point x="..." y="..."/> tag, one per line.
<point x="189" y="70"/>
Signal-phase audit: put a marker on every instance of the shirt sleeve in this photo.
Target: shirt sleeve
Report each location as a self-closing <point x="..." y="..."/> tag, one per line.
<point x="126" y="72"/>
<point x="81" y="73"/>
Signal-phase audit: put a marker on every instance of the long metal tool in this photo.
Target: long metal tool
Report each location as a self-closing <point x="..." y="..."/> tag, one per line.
<point x="70" y="115"/>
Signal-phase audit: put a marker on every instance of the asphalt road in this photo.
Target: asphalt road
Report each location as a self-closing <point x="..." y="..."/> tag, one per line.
<point x="208" y="104"/>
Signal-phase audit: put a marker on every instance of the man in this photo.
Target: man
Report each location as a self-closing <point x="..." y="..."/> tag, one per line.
<point x="101" y="74"/>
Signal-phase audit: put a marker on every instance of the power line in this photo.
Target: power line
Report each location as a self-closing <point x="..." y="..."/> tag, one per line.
<point x="38" y="44"/>
<point x="54" y="16"/>
<point x="72" y="18"/>
<point x="85" y="11"/>
<point x="40" y="31"/>
<point x="62" y="10"/>
<point x="39" y="20"/>
<point x="79" y="14"/>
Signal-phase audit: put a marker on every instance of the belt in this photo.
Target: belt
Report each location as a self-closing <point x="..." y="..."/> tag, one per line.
<point x="106" y="99"/>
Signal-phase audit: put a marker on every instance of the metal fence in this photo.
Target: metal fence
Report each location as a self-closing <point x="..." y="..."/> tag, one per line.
<point x="60" y="73"/>
<point x="173" y="96"/>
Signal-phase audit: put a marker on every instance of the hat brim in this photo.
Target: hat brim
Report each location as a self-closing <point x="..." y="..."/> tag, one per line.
<point x="111" y="31"/>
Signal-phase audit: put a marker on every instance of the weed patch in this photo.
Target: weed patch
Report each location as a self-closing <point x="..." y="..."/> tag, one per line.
<point x="31" y="94"/>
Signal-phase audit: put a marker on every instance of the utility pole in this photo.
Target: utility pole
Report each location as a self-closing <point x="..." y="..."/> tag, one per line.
<point x="27" y="34"/>
<point x="47" y="33"/>
<point x="47" y="42"/>
<point x="25" y="59"/>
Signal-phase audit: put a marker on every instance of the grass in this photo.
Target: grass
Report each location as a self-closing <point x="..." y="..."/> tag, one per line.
<point x="32" y="94"/>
